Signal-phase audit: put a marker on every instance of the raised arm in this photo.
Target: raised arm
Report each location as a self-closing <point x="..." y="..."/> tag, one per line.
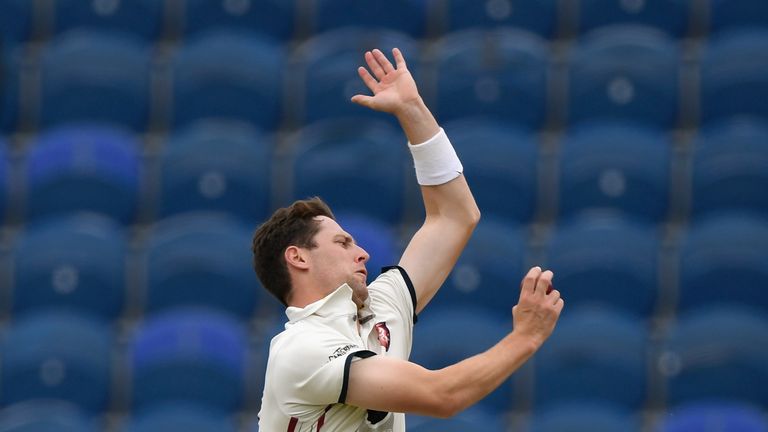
<point x="451" y="212"/>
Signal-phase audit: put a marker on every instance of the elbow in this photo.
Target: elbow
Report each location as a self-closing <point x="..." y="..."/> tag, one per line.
<point x="449" y="406"/>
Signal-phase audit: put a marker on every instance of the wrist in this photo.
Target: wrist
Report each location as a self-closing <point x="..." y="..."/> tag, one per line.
<point x="529" y="343"/>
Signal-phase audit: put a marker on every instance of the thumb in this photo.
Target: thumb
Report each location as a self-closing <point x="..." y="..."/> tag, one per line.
<point x="366" y="101"/>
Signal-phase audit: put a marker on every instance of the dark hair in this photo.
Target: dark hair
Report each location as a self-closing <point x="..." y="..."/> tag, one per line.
<point x="289" y="226"/>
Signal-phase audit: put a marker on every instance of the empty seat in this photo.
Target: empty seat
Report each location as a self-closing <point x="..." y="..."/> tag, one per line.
<point x="736" y="14"/>
<point x="73" y="262"/>
<point x="190" y="356"/>
<point x="274" y="18"/>
<point x="57" y="355"/>
<point x="353" y="165"/>
<point x="625" y="73"/>
<point x="408" y="16"/>
<point x="734" y="75"/>
<point x="721" y="416"/>
<point x="500" y="162"/>
<point x="83" y="168"/>
<point x="489" y="270"/>
<point x="327" y="71"/>
<point x="578" y="416"/>
<point x="670" y="16"/>
<point x="724" y="259"/>
<point x="139" y="18"/>
<point x="730" y="168"/>
<point x="500" y="73"/>
<point x="94" y="76"/>
<point x="449" y="335"/>
<point x="230" y="74"/>
<point x="377" y="238"/>
<point x="617" y="168"/>
<point x="217" y="165"/>
<point x="472" y="419"/>
<point x="44" y="416"/>
<point x="179" y="417"/>
<point x="594" y="355"/>
<point x="538" y="16"/>
<point x="717" y="353"/>
<point x="201" y="259"/>
<point x="606" y="261"/>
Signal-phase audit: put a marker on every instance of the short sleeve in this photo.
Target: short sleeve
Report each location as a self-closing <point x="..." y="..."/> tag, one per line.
<point x="394" y="290"/>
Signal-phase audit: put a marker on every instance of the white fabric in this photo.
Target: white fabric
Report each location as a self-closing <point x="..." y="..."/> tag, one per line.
<point x="435" y="160"/>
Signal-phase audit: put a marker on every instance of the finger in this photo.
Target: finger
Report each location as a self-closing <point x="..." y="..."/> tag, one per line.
<point x="366" y="101"/>
<point x="554" y="296"/>
<point x="383" y="61"/>
<point x="559" y="306"/>
<point x="529" y="281"/>
<point x="543" y="283"/>
<point x="399" y="59"/>
<point x="374" y="65"/>
<point x="368" y="80"/>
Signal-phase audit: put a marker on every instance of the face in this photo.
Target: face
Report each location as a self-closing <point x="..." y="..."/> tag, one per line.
<point x="337" y="259"/>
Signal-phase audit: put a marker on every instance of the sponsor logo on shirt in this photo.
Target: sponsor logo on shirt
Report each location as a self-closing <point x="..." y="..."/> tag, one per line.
<point x="341" y="351"/>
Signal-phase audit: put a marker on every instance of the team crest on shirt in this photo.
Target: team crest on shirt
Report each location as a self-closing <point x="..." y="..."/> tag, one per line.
<point x="383" y="331"/>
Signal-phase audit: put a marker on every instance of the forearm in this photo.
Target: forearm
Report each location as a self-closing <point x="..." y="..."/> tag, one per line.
<point x="417" y="122"/>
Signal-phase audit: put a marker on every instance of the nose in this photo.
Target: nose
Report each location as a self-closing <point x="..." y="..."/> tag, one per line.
<point x="362" y="255"/>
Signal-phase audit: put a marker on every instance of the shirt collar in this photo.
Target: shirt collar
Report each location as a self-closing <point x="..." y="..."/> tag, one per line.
<point x="339" y="302"/>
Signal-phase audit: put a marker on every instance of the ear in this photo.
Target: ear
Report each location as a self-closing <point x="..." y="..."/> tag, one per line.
<point x="296" y="257"/>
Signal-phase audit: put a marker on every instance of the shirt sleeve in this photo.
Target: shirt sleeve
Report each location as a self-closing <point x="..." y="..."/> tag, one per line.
<point x="393" y="289"/>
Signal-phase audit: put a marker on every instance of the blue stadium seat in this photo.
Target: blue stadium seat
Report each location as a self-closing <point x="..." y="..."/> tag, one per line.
<point x="538" y="16"/>
<point x="724" y="259"/>
<point x="489" y="271"/>
<point x="75" y="262"/>
<point x="180" y="417"/>
<point x="717" y="353"/>
<point x="500" y="163"/>
<point x="354" y="165"/>
<point x="594" y="355"/>
<point x="670" y="16"/>
<point x="578" y="416"/>
<point x="606" y="261"/>
<point x="44" y="416"/>
<point x="201" y="259"/>
<point x="378" y="239"/>
<point x="408" y="16"/>
<point x="139" y="18"/>
<point x="83" y="168"/>
<point x="734" y="75"/>
<point x="5" y="192"/>
<point x="228" y="74"/>
<point x="500" y="73"/>
<point x="328" y="66"/>
<point x="449" y="335"/>
<point x="730" y="168"/>
<point x="189" y="356"/>
<point x="735" y="14"/>
<point x="16" y="22"/>
<point x="217" y="165"/>
<point x="469" y="420"/>
<point x="274" y="18"/>
<point x="95" y="76"/>
<point x="616" y="168"/>
<point x="714" y="416"/>
<point x="624" y="72"/>
<point x="57" y="355"/>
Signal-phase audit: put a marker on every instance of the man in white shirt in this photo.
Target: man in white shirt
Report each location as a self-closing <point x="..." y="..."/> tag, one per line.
<point x="342" y="362"/>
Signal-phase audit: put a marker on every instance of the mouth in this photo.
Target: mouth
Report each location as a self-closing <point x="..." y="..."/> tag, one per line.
<point x="363" y="272"/>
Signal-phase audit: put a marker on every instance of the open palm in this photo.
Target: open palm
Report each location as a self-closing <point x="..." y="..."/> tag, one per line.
<point x="392" y="87"/>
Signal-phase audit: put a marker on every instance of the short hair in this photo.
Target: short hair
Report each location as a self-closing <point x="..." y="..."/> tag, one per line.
<point x="294" y="225"/>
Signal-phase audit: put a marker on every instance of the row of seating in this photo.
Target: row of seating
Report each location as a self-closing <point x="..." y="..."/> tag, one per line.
<point x="286" y="19"/>
<point x="200" y="356"/>
<point x="626" y="73"/>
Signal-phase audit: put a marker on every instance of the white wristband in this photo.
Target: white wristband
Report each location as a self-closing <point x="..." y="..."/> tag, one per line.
<point x="435" y="160"/>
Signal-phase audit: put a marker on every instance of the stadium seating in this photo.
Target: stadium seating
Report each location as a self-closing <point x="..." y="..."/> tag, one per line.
<point x="500" y="163"/>
<point x="77" y="262"/>
<point x="538" y="16"/>
<point x="616" y="168"/>
<point x="201" y="259"/>
<point x="377" y="238"/>
<point x="627" y="73"/>
<point x="16" y="22"/>
<point x="408" y="16"/>
<point x="734" y="75"/>
<point x="606" y="261"/>
<point x="4" y="179"/>
<point x="730" y="168"/>
<point x="179" y="417"/>
<point x="327" y="72"/>
<point x="44" y="416"/>
<point x="139" y="18"/>
<point x="500" y="73"/>
<point x="353" y="165"/>
<point x="735" y="14"/>
<point x="720" y="416"/>
<point x="724" y="260"/>
<point x="229" y="74"/>
<point x="10" y="60"/>
<point x="472" y="419"/>
<point x="85" y="167"/>
<point x="489" y="271"/>
<point x="57" y="355"/>
<point x="580" y="417"/>
<point x="717" y="353"/>
<point x="189" y="356"/>
<point x="594" y="355"/>
<point x="448" y="335"/>
<point x="274" y="18"/>
<point x="671" y="17"/>
<point x="94" y="77"/>
<point x="217" y="165"/>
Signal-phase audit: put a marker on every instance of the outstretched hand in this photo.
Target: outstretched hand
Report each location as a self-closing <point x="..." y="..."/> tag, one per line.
<point x="393" y="87"/>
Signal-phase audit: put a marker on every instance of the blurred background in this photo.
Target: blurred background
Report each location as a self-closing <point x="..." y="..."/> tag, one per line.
<point x="621" y="143"/>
